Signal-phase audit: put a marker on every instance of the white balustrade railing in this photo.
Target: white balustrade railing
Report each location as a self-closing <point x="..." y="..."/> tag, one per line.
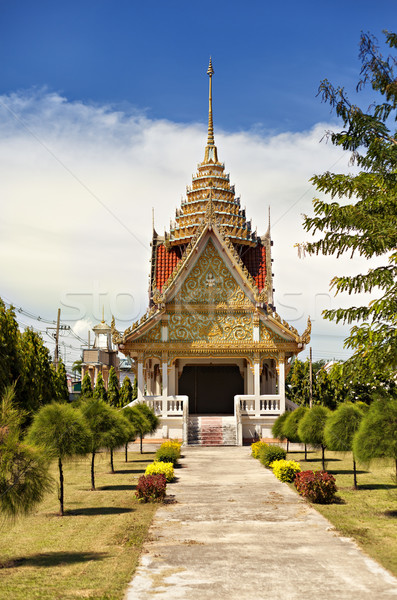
<point x="267" y="404"/>
<point x="168" y="406"/>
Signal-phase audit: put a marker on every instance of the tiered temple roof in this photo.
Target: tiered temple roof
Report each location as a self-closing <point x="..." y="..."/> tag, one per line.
<point x="210" y="182"/>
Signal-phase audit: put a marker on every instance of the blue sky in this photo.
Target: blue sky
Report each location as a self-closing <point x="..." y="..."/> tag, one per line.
<point x="103" y="111"/>
<point x="269" y="57"/>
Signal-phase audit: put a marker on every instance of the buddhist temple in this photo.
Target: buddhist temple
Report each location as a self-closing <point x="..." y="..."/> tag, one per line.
<point x="211" y="353"/>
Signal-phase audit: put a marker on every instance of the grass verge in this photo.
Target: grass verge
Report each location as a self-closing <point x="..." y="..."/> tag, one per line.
<point x="91" y="552"/>
<point x="368" y="514"/>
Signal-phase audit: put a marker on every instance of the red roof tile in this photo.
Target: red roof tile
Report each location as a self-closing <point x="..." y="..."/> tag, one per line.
<point x="255" y="261"/>
<point x="166" y="261"/>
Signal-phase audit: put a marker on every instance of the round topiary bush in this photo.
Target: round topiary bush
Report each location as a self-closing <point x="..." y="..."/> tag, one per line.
<point x="316" y="486"/>
<point x="270" y="454"/>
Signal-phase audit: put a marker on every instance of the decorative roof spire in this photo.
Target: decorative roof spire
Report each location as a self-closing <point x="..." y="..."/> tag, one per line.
<point x="210" y="140"/>
<point x="211" y="153"/>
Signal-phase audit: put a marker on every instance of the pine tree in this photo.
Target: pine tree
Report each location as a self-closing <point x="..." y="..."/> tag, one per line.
<point x="86" y="386"/>
<point x="340" y="429"/>
<point x="63" y="432"/>
<point x="361" y="217"/>
<point x="10" y="350"/>
<point x="61" y="383"/>
<point x="38" y="382"/>
<point x="100" y="390"/>
<point x="126" y="392"/>
<point x="311" y="428"/>
<point x="113" y="388"/>
<point x="24" y="477"/>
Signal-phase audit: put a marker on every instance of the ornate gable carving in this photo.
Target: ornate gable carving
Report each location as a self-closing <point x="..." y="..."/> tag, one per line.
<point x="215" y="328"/>
<point x="267" y="335"/>
<point x="153" y="335"/>
<point x="210" y="282"/>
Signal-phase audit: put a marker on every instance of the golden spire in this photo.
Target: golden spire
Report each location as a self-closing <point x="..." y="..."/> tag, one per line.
<point x="210" y="150"/>
<point x="210" y="140"/>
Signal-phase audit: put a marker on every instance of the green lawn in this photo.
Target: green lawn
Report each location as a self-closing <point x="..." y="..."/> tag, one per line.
<point x="93" y="550"/>
<point x="369" y="514"/>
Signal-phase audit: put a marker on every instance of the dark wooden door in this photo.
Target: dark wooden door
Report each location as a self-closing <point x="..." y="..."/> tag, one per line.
<point x="211" y="389"/>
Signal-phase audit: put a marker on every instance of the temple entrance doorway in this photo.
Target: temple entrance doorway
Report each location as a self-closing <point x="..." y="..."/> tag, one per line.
<point x="211" y="389"/>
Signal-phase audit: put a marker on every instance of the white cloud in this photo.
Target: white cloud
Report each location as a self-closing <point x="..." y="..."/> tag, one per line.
<point x="77" y="187"/>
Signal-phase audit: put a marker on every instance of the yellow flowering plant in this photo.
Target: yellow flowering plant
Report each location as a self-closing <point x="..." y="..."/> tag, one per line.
<point x="285" y="470"/>
<point x="165" y="468"/>
<point x="256" y="448"/>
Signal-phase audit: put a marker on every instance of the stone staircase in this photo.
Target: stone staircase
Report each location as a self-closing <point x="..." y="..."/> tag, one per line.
<point x="212" y="431"/>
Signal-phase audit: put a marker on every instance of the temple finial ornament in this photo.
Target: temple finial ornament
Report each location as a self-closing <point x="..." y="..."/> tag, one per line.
<point x="210" y="150"/>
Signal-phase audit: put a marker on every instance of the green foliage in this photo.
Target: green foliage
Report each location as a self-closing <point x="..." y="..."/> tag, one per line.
<point x="256" y="447"/>
<point x="285" y="470"/>
<point x="326" y="389"/>
<point x="377" y="434"/>
<point x="126" y="395"/>
<point x="86" y="386"/>
<point x="341" y="427"/>
<point x="113" y="388"/>
<point x="291" y="423"/>
<point x="317" y="486"/>
<point x="166" y="469"/>
<point x="100" y="390"/>
<point x="270" y="454"/>
<point x="61" y="383"/>
<point x="311" y="428"/>
<point x="10" y="351"/>
<point x="76" y="366"/>
<point x="24" y="477"/>
<point x="62" y="432"/>
<point x="151" y="488"/>
<point x="167" y="454"/>
<point x="278" y="427"/>
<point x="312" y="424"/>
<point x="37" y="377"/>
<point x="100" y="418"/>
<point x="366" y="223"/>
<point x="144" y="420"/>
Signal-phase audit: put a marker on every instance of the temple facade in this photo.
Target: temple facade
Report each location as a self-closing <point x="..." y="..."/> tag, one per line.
<point x="211" y="353"/>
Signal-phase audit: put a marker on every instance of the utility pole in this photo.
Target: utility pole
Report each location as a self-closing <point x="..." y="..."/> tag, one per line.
<point x="311" y="379"/>
<point x="57" y="340"/>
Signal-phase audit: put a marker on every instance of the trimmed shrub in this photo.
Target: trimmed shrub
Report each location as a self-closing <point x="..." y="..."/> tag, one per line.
<point x="168" y="454"/>
<point x="157" y="467"/>
<point x="256" y="448"/>
<point x="270" y="454"/>
<point x="151" y="488"/>
<point x="285" y="470"/>
<point x="316" y="486"/>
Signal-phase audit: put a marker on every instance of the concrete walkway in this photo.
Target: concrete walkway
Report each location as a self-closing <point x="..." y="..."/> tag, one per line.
<point x="235" y="532"/>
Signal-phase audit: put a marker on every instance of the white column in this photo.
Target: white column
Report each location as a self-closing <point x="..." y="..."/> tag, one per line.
<point x="281" y="383"/>
<point x="257" y="386"/>
<point x="165" y="383"/>
<point x="171" y="383"/>
<point x="141" y="381"/>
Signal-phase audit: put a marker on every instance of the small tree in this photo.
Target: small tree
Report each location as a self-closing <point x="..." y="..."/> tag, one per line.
<point x="291" y="424"/>
<point x="86" y="386"/>
<point x="100" y="419"/>
<point x="118" y="435"/>
<point x="340" y="429"/>
<point x="144" y="420"/>
<point x="100" y="390"/>
<point x="113" y="388"/>
<point x="129" y="414"/>
<point x="62" y="432"/>
<point x="278" y="427"/>
<point x="24" y="477"/>
<point x="126" y="392"/>
<point x="311" y="428"/>
<point x="61" y="383"/>
<point x="377" y="434"/>
<point x="76" y="366"/>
